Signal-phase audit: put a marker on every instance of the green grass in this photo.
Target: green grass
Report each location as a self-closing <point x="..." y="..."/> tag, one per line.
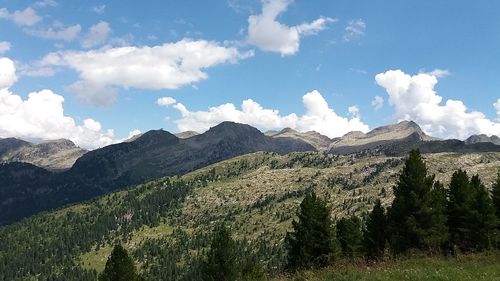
<point x="470" y="268"/>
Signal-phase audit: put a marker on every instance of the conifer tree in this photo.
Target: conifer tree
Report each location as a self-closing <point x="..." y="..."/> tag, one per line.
<point x="495" y="192"/>
<point x="460" y="212"/>
<point x="221" y="263"/>
<point x="374" y="236"/>
<point x="311" y="243"/>
<point x="350" y="237"/>
<point x="413" y="222"/>
<point x="495" y="196"/>
<point x="119" y="267"/>
<point x="484" y="220"/>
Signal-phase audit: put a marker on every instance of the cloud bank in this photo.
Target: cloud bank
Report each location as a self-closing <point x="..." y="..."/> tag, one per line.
<point x="414" y="98"/>
<point x="318" y="116"/>
<point x="167" y="66"/>
<point x="41" y="115"/>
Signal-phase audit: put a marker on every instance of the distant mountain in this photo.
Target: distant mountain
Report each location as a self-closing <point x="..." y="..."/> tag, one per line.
<point x="154" y="154"/>
<point x="319" y="141"/>
<point x="483" y="139"/>
<point x="54" y="155"/>
<point x="186" y="134"/>
<point x="398" y="139"/>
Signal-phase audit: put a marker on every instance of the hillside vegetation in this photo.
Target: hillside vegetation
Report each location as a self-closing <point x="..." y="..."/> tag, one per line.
<point x="165" y="224"/>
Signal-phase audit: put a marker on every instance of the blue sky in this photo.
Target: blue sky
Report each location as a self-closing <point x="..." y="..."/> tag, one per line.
<point x="310" y="60"/>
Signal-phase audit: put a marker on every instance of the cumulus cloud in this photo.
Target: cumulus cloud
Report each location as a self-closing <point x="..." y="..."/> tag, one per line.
<point x="4" y="46"/>
<point x="7" y="73"/>
<point x="354" y="30"/>
<point x="57" y="31"/>
<point x="41" y="115"/>
<point x="318" y="116"/>
<point x="377" y="102"/>
<point x="166" y="101"/>
<point x="414" y="98"/>
<point x="265" y="32"/>
<point x="497" y="107"/>
<point x="167" y="66"/>
<point x="97" y="35"/>
<point x="26" y="17"/>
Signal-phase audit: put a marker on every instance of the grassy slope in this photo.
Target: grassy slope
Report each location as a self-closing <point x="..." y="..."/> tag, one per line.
<point x="259" y="194"/>
<point x="279" y="191"/>
<point x="484" y="267"/>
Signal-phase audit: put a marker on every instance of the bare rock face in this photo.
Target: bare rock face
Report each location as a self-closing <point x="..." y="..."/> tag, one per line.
<point x="317" y="140"/>
<point x="483" y="138"/>
<point x="186" y="134"/>
<point x="403" y="132"/>
<point x="54" y="155"/>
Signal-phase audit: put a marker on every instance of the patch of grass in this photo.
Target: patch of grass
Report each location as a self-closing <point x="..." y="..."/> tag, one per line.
<point x="484" y="267"/>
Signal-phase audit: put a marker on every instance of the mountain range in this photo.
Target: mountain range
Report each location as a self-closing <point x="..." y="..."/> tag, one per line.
<point x="36" y="178"/>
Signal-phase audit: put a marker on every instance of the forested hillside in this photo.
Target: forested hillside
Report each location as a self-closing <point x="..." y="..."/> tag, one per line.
<point x="166" y="224"/>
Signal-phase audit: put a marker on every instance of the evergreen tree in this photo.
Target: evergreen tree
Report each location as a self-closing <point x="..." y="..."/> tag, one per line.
<point x="374" y="236"/>
<point x="311" y="243"/>
<point x="221" y="263"/>
<point x="119" y="267"/>
<point x="460" y="211"/>
<point x="413" y="221"/>
<point x="495" y="192"/>
<point x="484" y="219"/>
<point x="350" y="237"/>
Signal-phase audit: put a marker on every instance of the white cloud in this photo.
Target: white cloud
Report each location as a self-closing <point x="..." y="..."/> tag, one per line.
<point x="41" y="115"/>
<point x="57" y="31"/>
<point x="97" y="35"/>
<point x="414" y="98"/>
<point x="7" y="73"/>
<point x="45" y="3"/>
<point x="26" y="17"/>
<point x="377" y="102"/>
<point x="353" y="111"/>
<point x="265" y="32"/>
<point x="318" y="117"/>
<point x="166" y="101"/>
<point x="4" y="46"/>
<point x="99" y="9"/>
<point x="439" y="73"/>
<point x="167" y="66"/>
<point x="354" y="30"/>
<point x="497" y="107"/>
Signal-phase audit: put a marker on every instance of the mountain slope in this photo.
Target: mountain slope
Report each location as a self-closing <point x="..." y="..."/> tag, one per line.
<point x="55" y="155"/>
<point x="319" y="141"/>
<point x="164" y="223"/>
<point x="152" y="155"/>
<point x="482" y="138"/>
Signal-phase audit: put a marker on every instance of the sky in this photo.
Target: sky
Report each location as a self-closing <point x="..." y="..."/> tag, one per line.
<point x="98" y="72"/>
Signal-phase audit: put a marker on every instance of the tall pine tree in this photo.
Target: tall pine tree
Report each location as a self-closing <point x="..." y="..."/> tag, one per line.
<point x="221" y="263"/>
<point x="413" y="222"/>
<point x="119" y="267"/>
<point x="461" y="197"/>
<point x="311" y="243"/>
<point x="350" y="237"/>
<point x="484" y="219"/>
<point x="374" y="236"/>
<point x="495" y="194"/>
